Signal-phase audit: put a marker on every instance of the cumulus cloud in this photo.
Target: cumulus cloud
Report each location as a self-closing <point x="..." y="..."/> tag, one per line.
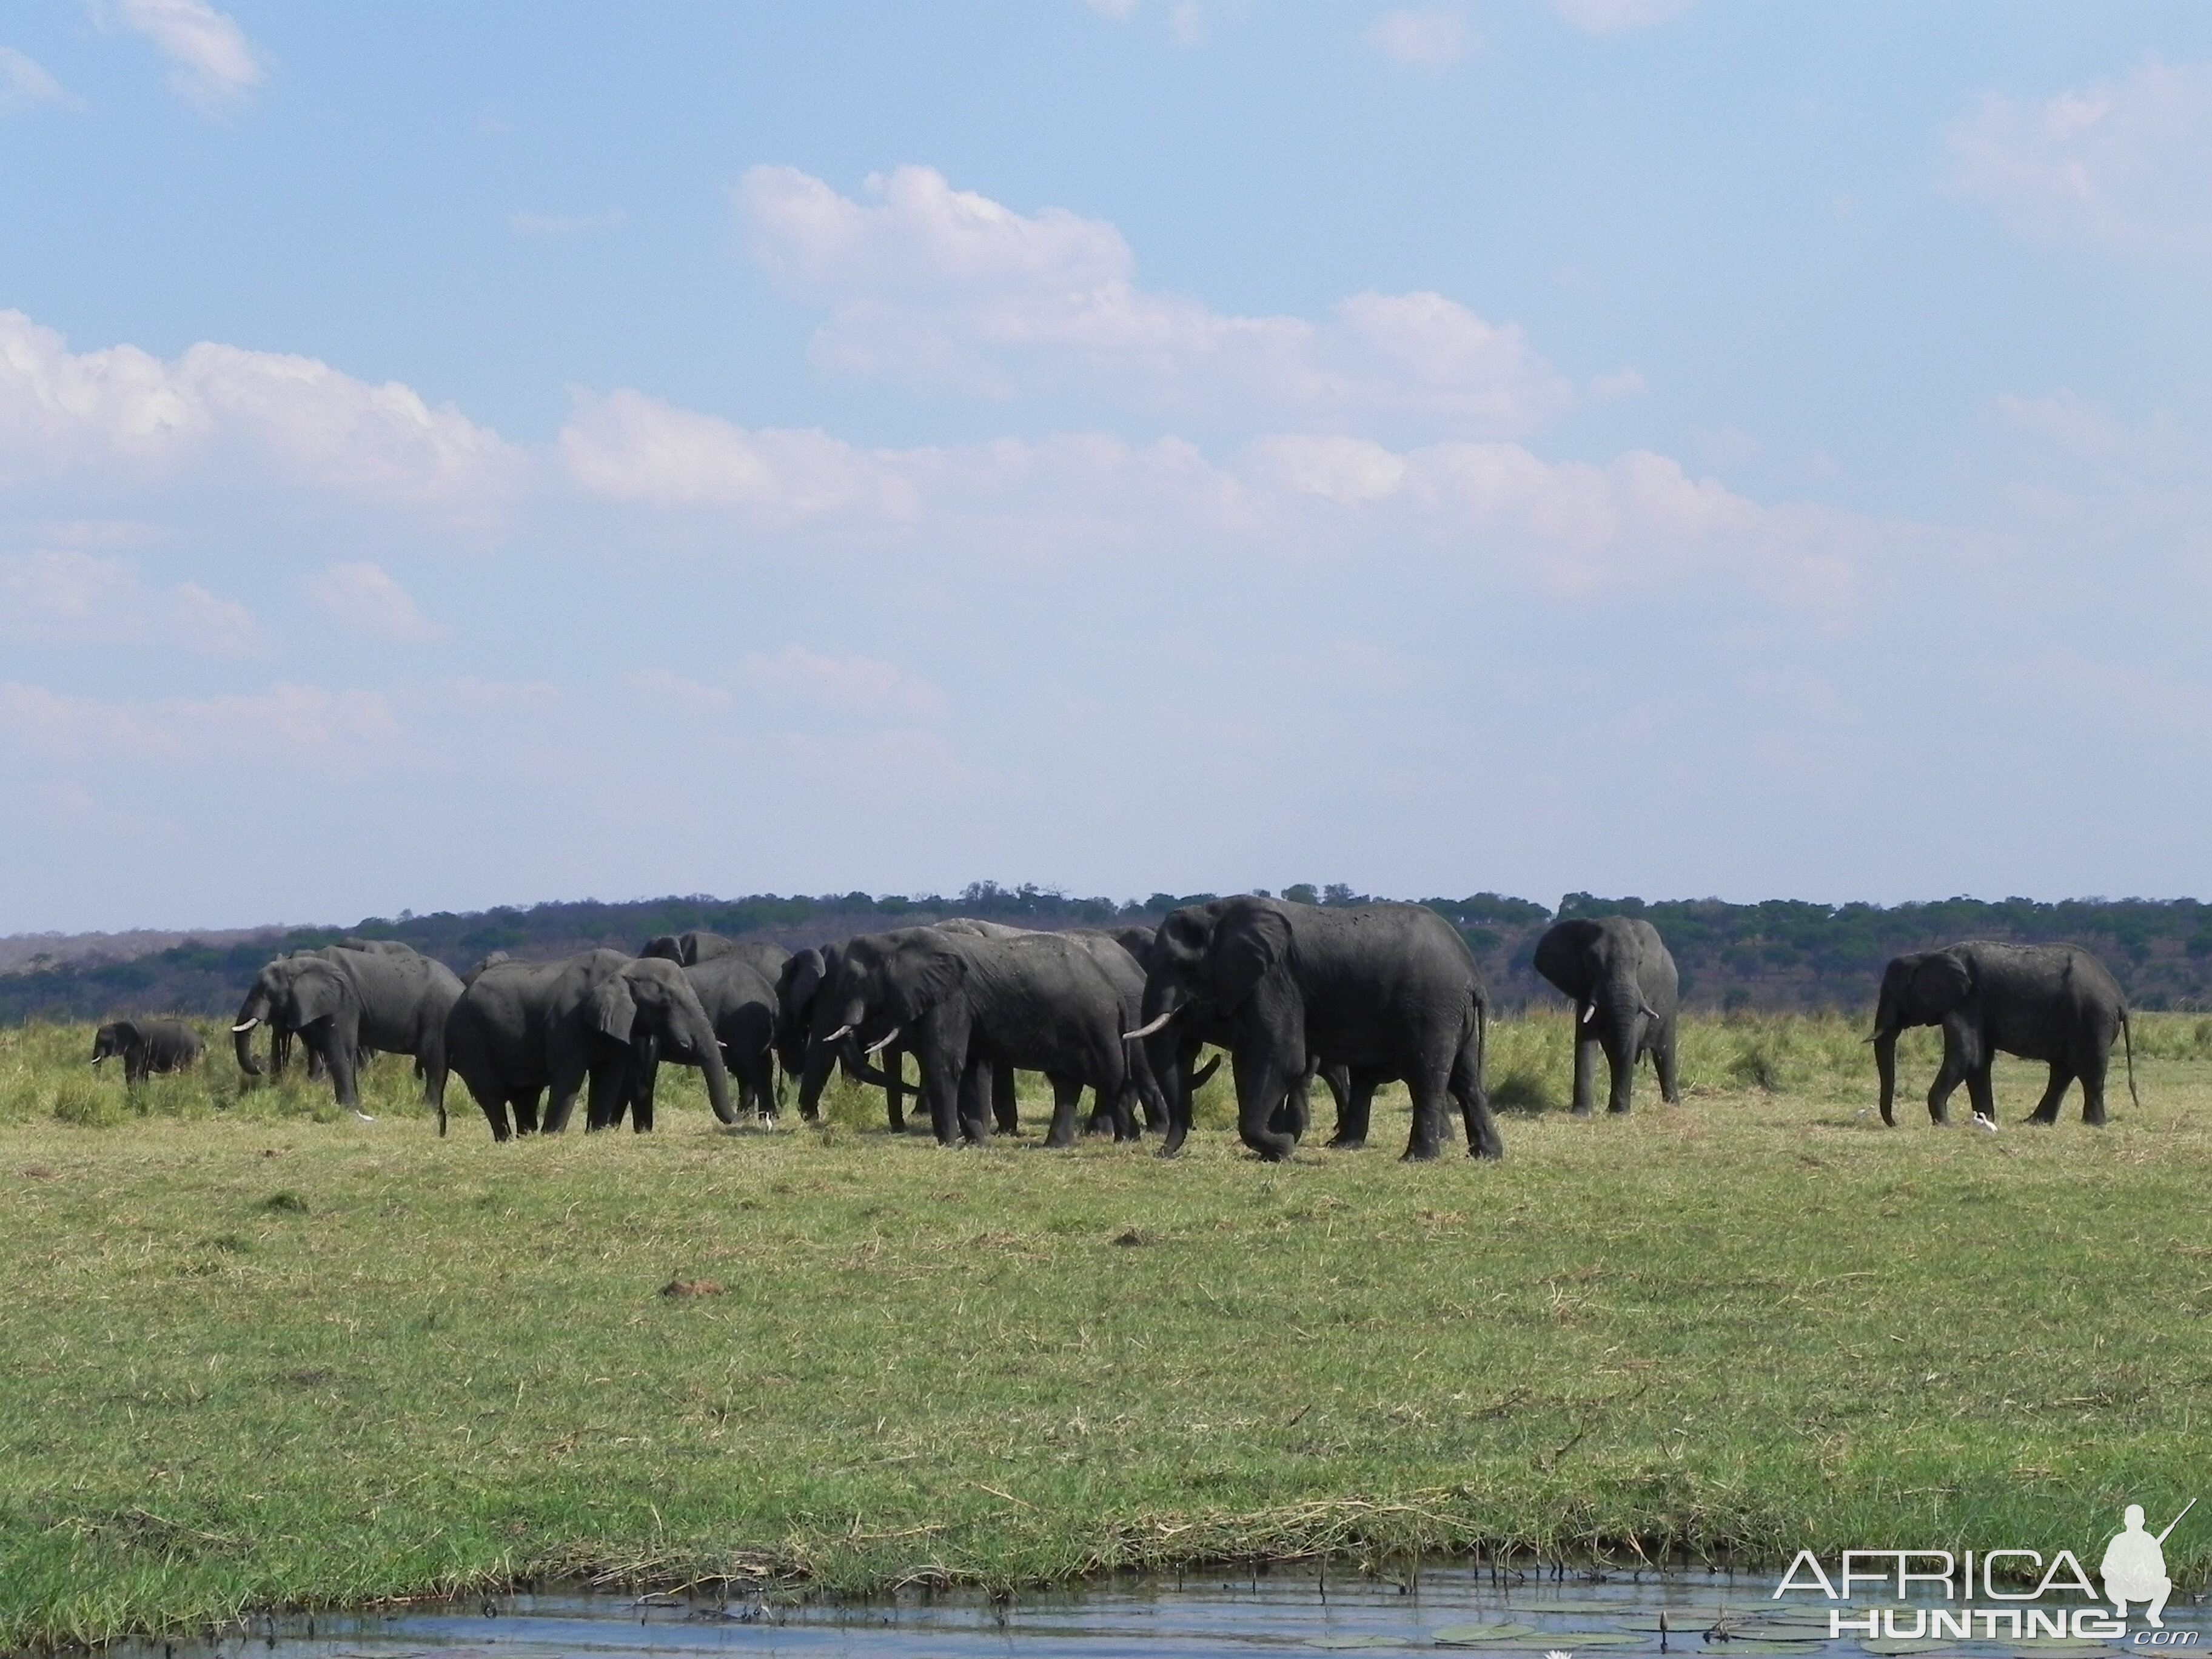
<point x="947" y="288"/>
<point x="1568" y="528"/>
<point x="1431" y="39"/>
<point x="367" y="599"/>
<point x="24" y="84"/>
<point x="213" y="62"/>
<point x="1618" y="16"/>
<point x="70" y="596"/>
<point x="2123" y="162"/>
<point x="308" y="723"/>
<point x="292" y="419"/>
<point x="854" y="685"/>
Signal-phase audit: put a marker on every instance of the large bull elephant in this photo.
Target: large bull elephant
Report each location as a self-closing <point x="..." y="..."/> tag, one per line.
<point x="967" y="1005"/>
<point x="2048" y="1002"/>
<point x="524" y="1029"/>
<point x="340" y="1001"/>
<point x="1388" y="990"/>
<point x="736" y="989"/>
<point x="1627" y="999"/>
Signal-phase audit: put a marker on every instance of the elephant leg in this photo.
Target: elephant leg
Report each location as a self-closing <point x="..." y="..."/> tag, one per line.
<point x="1355" y="1114"/>
<point x="609" y="1092"/>
<point x="1586" y="1051"/>
<point x="2054" y="1093"/>
<point x="1430" y="1124"/>
<point x="1295" y="1116"/>
<point x="1262" y="1080"/>
<point x="1620" y="1055"/>
<point x="978" y="1081"/>
<point x="894" y="1065"/>
<point x="1979" y="1091"/>
<point x="1948" y="1076"/>
<point x="2091" y="1070"/>
<point x="1662" y="1061"/>
<point x="494" y="1107"/>
<point x="1483" y="1139"/>
<point x="569" y="1077"/>
<point x="525" y="1110"/>
<point x="1066" y="1094"/>
<point x="1005" y="1108"/>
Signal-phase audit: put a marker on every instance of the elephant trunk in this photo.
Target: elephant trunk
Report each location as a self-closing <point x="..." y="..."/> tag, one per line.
<point x="718" y="1078"/>
<point x="250" y="1013"/>
<point x="814" y="1076"/>
<point x="1885" y="1065"/>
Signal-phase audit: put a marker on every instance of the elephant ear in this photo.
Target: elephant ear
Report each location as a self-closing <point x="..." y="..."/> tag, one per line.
<point x="1245" y="946"/>
<point x="802" y="977"/>
<point x="318" y="991"/>
<point x="613" y="1010"/>
<point x="1939" y="984"/>
<point x="1563" y="954"/>
<point x="918" y="976"/>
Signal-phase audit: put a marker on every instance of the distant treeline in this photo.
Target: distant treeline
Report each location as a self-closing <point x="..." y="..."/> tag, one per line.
<point x="1782" y="954"/>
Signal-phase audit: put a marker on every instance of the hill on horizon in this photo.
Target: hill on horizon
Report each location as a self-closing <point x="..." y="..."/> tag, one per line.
<point x="1778" y="955"/>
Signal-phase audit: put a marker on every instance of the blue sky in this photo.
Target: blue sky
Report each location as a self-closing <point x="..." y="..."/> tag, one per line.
<point x="456" y="456"/>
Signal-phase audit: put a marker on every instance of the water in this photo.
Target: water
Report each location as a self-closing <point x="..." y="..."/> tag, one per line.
<point x="1716" y="1616"/>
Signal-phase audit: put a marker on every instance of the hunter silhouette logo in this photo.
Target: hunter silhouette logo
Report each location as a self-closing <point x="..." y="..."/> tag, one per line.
<point x="2134" y="1568"/>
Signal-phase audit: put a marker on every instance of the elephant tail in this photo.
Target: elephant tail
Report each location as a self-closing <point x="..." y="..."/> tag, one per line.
<point x="2127" y="1037"/>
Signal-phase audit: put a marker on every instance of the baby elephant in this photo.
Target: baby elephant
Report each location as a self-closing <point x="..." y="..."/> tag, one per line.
<point x="146" y="1045"/>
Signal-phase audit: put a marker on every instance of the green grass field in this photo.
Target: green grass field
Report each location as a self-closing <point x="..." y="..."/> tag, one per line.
<point x="258" y="1354"/>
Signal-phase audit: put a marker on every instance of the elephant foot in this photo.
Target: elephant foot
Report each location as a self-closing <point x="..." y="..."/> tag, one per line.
<point x="2042" y="1123"/>
<point x="1582" y="1111"/>
<point x="1347" y="1143"/>
<point x="1419" y="1152"/>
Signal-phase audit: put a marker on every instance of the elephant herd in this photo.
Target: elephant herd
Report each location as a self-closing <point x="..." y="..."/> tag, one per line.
<point x="1355" y="995"/>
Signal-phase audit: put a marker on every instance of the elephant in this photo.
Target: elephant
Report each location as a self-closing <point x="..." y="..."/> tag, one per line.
<point x="342" y="1002"/>
<point x="146" y="1045"/>
<point x="798" y="1006"/>
<point x="526" y="1028"/>
<point x="737" y="989"/>
<point x="1627" y="999"/>
<point x="963" y="1002"/>
<point x="691" y="949"/>
<point x="1387" y="990"/>
<point x="2048" y="1002"/>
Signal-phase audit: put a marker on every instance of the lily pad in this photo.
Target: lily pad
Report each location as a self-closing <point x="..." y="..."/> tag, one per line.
<point x="2062" y="1648"/>
<point x="1745" y="1644"/>
<point x="1887" y="1646"/>
<point x="1475" y="1636"/>
<point x="1589" y="1638"/>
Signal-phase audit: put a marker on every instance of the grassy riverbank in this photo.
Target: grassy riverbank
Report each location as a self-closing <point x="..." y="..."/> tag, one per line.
<point x="257" y="1355"/>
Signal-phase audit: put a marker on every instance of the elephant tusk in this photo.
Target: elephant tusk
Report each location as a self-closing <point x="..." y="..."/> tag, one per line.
<point x="884" y="1041"/>
<point x="98" y="1059"/>
<point x="247" y="1026"/>
<point x="1650" y="1010"/>
<point x="838" y="1035"/>
<point x="1590" y="1010"/>
<point x="1146" y="1030"/>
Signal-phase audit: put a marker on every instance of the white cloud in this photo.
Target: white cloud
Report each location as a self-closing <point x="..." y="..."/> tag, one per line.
<point x="1187" y="23"/>
<point x="1431" y="39"/>
<point x="215" y="65"/>
<point x="306" y="723"/>
<point x="364" y="598"/>
<point x="1618" y="16"/>
<point x="854" y="685"/>
<point x="288" y="419"/>
<point x="1119" y="11"/>
<point x="1567" y="528"/>
<point x="2124" y="162"/>
<point x="75" y="597"/>
<point x="24" y="83"/>
<point x="949" y="288"/>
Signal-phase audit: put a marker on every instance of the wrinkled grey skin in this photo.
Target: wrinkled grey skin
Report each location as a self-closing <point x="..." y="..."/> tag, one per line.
<point x="1388" y="990"/>
<point x="967" y="1004"/>
<point x="146" y="1045"/>
<point x="2047" y="1002"/>
<point x="798" y="1008"/>
<point x="1627" y="1001"/>
<point x="524" y="1029"/>
<point x="735" y="988"/>
<point x="341" y="1001"/>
